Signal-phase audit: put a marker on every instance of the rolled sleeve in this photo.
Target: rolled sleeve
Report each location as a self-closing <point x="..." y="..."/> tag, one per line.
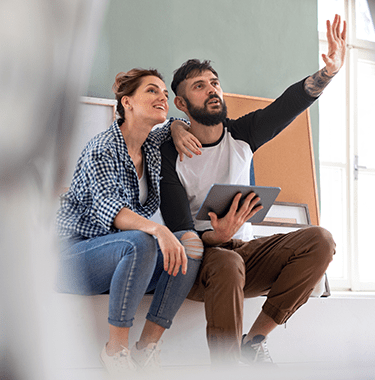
<point x="107" y="210"/>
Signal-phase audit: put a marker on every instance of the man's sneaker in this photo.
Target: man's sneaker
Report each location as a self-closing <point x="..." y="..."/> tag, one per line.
<point x="255" y="350"/>
<point x="119" y="364"/>
<point x="147" y="358"/>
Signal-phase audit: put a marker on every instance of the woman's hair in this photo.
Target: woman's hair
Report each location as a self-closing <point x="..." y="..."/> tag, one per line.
<point x="126" y="84"/>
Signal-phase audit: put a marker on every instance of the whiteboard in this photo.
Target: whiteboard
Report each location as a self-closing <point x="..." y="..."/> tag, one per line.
<point x="94" y="116"/>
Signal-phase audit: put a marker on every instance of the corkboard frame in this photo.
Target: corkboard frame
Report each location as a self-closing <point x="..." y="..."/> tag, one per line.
<point x="287" y="160"/>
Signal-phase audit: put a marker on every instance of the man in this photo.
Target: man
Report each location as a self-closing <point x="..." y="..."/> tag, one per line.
<point x="284" y="267"/>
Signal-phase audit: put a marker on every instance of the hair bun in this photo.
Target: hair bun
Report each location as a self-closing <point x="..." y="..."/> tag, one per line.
<point x="120" y="79"/>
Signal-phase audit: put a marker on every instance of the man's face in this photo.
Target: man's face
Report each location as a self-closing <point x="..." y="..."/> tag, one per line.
<point x="204" y="99"/>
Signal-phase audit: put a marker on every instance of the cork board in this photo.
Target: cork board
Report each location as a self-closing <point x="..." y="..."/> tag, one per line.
<point x="286" y="161"/>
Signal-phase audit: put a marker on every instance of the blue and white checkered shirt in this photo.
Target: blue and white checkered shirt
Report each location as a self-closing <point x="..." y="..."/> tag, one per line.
<point x="105" y="181"/>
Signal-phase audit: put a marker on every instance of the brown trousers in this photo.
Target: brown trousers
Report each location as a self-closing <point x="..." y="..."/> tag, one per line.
<point x="285" y="267"/>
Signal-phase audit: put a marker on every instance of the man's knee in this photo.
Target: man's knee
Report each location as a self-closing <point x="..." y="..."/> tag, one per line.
<point x="323" y="240"/>
<point x="226" y="267"/>
<point x="193" y="245"/>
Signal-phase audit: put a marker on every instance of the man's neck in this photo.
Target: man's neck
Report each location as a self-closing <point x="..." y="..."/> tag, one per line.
<point x="206" y="134"/>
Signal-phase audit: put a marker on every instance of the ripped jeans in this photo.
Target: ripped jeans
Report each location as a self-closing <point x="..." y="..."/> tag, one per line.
<point x="128" y="264"/>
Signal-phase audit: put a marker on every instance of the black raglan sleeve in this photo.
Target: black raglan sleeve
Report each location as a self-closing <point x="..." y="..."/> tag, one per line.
<point x="174" y="206"/>
<point x="259" y="127"/>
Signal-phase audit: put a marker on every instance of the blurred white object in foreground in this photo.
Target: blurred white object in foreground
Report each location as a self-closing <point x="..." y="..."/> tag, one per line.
<point x="46" y="52"/>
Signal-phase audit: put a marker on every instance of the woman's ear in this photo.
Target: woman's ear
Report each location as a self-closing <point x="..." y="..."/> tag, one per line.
<point x="180" y="103"/>
<point x="125" y="101"/>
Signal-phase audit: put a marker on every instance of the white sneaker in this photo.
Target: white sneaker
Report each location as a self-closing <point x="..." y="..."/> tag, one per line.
<point x="255" y="351"/>
<point x="148" y="358"/>
<point x="119" y="364"/>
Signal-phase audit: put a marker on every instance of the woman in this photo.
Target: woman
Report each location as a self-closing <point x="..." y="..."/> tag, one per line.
<point x="108" y="243"/>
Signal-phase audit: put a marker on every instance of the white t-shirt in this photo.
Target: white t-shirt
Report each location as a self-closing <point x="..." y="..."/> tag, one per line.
<point x="232" y="160"/>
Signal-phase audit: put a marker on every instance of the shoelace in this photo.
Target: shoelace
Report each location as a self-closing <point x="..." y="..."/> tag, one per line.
<point x="123" y="358"/>
<point x="153" y="356"/>
<point x="261" y="352"/>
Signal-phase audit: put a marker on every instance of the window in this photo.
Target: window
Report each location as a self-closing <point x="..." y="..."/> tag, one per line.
<point x="347" y="136"/>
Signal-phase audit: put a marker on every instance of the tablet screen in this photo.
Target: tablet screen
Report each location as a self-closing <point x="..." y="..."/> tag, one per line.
<point x="220" y="197"/>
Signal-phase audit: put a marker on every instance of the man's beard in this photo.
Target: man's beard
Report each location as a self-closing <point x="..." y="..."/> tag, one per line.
<point x="203" y="116"/>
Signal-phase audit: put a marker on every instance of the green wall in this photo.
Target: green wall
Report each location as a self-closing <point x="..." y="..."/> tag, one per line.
<point x="258" y="47"/>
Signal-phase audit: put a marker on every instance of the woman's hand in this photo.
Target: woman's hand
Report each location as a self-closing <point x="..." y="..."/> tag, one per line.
<point x="172" y="250"/>
<point x="184" y="141"/>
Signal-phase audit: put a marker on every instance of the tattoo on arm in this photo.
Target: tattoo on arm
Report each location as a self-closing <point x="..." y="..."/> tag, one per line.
<point x="315" y="84"/>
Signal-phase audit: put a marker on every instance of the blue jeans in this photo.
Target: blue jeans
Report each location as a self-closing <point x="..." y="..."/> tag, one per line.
<point x="128" y="264"/>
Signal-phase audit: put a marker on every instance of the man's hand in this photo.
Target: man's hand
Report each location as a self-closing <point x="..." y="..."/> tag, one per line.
<point x="226" y="227"/>
<point x="335" y="57"/>
<point x="184" y="141"/>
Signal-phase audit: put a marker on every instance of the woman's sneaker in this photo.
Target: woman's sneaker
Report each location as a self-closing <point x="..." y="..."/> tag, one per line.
<point x="119" y="364"/>
<point x="255" y="350"/>
<point x="147" y="358"/>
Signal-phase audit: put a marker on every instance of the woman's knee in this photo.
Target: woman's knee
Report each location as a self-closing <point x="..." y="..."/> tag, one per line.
<point x="138" y="241"/>
<point x="193" y="245"/>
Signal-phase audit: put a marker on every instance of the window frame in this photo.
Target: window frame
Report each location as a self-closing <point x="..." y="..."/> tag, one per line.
<point x="355" y="49"/>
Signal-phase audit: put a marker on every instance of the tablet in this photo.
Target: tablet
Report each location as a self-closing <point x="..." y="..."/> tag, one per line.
<point x="219" y="199"/>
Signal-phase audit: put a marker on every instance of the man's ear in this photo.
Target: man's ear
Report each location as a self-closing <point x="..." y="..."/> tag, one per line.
<point x="180" y="103"/>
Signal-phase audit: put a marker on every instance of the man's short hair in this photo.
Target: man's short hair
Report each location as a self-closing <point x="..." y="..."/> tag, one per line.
<point x="190" y="69"/>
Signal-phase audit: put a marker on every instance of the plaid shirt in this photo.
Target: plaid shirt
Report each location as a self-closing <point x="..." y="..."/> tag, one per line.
<point x="105" y="181"/>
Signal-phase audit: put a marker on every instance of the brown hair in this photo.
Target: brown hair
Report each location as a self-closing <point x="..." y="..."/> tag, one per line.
<point x="126" y="84"/>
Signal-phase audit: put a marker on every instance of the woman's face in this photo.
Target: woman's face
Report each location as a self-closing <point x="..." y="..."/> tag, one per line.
<point x="149" y="103"/>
